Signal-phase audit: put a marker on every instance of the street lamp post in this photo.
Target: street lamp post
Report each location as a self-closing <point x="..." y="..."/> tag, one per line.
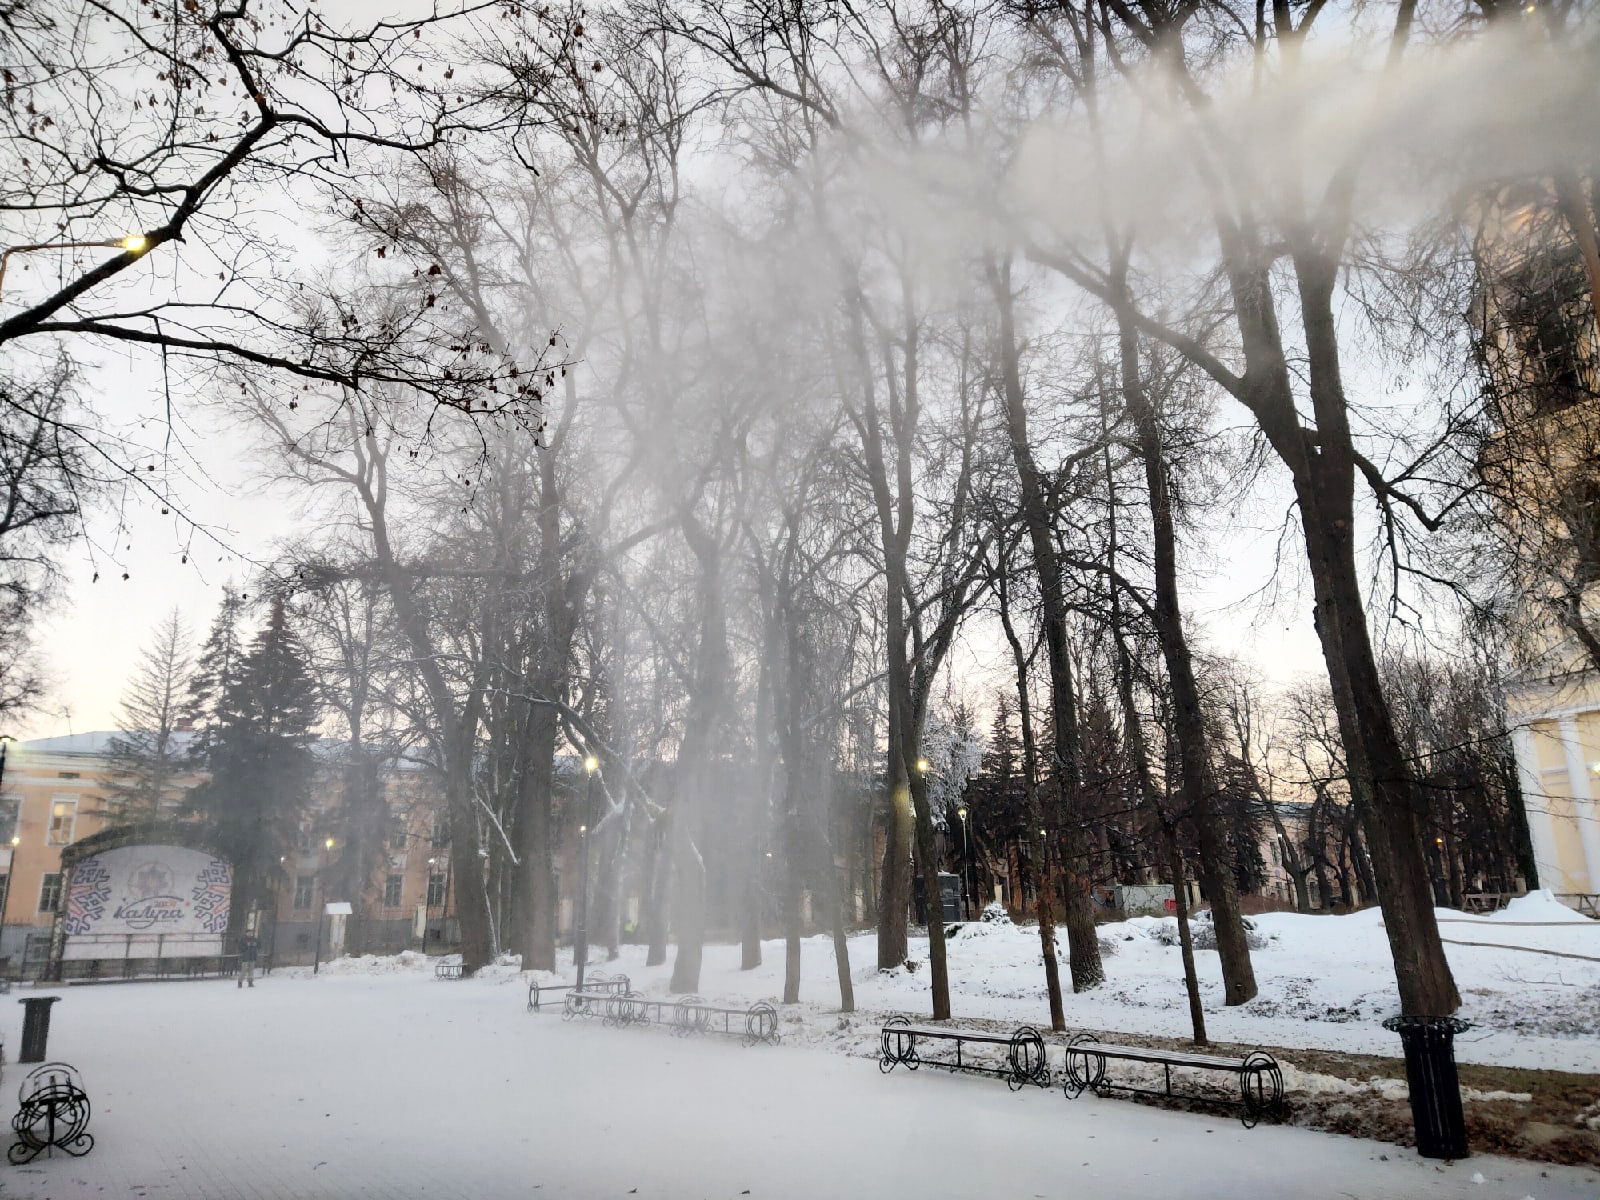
<point x="580" y="932"/>
<point x="132" y="244"/>
<point x="962" y="813"/>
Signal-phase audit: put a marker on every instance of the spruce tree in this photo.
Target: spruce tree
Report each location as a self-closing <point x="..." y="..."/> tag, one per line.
<point x="147" y="754"/>
<point x="219" y="660"/>
<point x="257" y="750"/>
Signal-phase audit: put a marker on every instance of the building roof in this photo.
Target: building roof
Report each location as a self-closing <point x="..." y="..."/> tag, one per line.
<point x="97" y="744"/>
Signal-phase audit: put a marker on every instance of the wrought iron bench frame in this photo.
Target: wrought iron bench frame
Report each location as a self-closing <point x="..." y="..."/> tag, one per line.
<point x="686" y="1014"/>
<point x="1260" y="1079"/>
<point x="449" y="970"/>
<point x="51" y="1096"/>
<point x="1027" y="1061"/>
<point x="597" y="982"/>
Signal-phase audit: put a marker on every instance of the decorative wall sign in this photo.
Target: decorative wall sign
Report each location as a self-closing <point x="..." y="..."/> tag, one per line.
<point x="129" y="901"/>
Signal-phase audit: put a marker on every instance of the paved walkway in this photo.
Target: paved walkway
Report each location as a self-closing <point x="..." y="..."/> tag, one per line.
<point x="400" y="1087"/>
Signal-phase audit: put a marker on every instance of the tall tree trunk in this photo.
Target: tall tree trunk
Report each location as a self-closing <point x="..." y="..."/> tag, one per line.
<point x="659" y="889"/>
<point x="928" y="863"/>
<point x="536" y="901"/>
<point x="1382" y="786"/>
<point x="894" y="877"/>
<point x="894" y="896"/>
<point x="841" y="945"/>
<point x="1083" y="946"/>
<point x="792" y="892"/>
<point x="696" y="754"/>
<point x="466" y="868"/>
<point x="1194" y="754"/>
<point x="1191" y="978"/>
<point x="1030" y="788"/>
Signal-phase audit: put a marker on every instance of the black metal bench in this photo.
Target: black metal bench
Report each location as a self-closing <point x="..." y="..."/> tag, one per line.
<point x="446" y="970"/>
<point x="1026" y="1060"/>
<point x="597" y="982"/>
<point x="686" y="1014"/>
<point x="54" y="1112"/>
<point x="1259" y="1078"/>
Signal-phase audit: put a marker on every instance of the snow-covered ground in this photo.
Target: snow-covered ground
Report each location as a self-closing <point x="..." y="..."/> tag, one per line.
<point x="1326" y="982"/>
<point x="376" y="1080"/>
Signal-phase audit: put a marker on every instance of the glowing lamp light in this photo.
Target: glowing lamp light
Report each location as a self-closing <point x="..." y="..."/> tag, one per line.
<point x="583" y="829"/>
<point x="962" y="813"/>
<point x="591" y="764"/>
<point x="15" y="841"/>
<point x="922" y="766"/>
<point x="133" y="243"/>
<point x="328" y="843"/>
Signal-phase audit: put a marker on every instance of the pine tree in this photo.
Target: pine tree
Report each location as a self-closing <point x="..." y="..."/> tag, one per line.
<point x="257" y="749"/>
<point x="219" y="660"/>
<point x="147" y="756"/>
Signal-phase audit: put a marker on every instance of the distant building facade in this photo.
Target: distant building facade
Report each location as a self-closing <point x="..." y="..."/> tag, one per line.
<point x="1539" y="346"/>
<point x="54" y="795"/>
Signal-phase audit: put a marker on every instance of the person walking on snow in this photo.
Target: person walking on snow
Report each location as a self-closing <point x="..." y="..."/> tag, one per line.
<point x="248" y="947"/>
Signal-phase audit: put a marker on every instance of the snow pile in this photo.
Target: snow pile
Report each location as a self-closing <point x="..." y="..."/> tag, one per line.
<point x="1541" y="905"/>
<point x="995" y="914"/>
<point x="1203" y="931"/>
<point x="405" y="963"/>
<point x="1315" y="1083"/>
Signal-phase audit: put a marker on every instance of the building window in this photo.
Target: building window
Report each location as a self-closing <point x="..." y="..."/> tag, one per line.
<point x="303" y="841"/>
<point x="63" y="816"/>
<point x="400" y="838"/>
<point x="50" y="893"/>
<point x="303" y="887"/>
<point x="391" y="890"/>
<point x="441" y="830"/>
<point x="436" y="885"/>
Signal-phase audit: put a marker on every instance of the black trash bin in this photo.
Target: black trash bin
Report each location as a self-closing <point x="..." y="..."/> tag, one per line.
<point x="35" y="1027"/>
<point x="1435" y="1087"/>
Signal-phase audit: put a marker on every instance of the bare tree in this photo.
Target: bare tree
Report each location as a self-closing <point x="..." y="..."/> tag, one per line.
<point x="46" y="480"/>
<point x="148" y="756"/>
<point x="137" y="134"/>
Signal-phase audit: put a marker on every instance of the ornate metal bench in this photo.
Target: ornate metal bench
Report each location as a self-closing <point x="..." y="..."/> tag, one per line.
<point x="1026" y="1060"/>
<point x="54" y="1112"/>
<point x="596" y="982"/>
<point x="446" y="970"/>
<point x="686" y="1015"/>
<point x="1260" y="1080"/>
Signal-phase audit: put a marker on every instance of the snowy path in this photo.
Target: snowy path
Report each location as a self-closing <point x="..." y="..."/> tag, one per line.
<point x="399" y="1085"/>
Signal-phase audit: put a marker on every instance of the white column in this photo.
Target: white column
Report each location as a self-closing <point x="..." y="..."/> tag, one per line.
<point x="1583" y="806"/>
<point x="1541" y="825"/>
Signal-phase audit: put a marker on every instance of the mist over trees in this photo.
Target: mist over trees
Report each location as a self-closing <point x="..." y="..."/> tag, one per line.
<point x="707" y="389"/>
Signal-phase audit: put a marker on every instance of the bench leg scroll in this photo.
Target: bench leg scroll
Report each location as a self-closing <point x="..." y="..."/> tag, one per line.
<point x="1260" y="1087"/>
<point x="1086" y="1070"/>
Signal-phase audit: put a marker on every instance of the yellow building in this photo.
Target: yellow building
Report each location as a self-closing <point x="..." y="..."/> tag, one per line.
<point x="1556" y="734"/>
<point x="1539" y="343"/>
<point x="53" y="795"/>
